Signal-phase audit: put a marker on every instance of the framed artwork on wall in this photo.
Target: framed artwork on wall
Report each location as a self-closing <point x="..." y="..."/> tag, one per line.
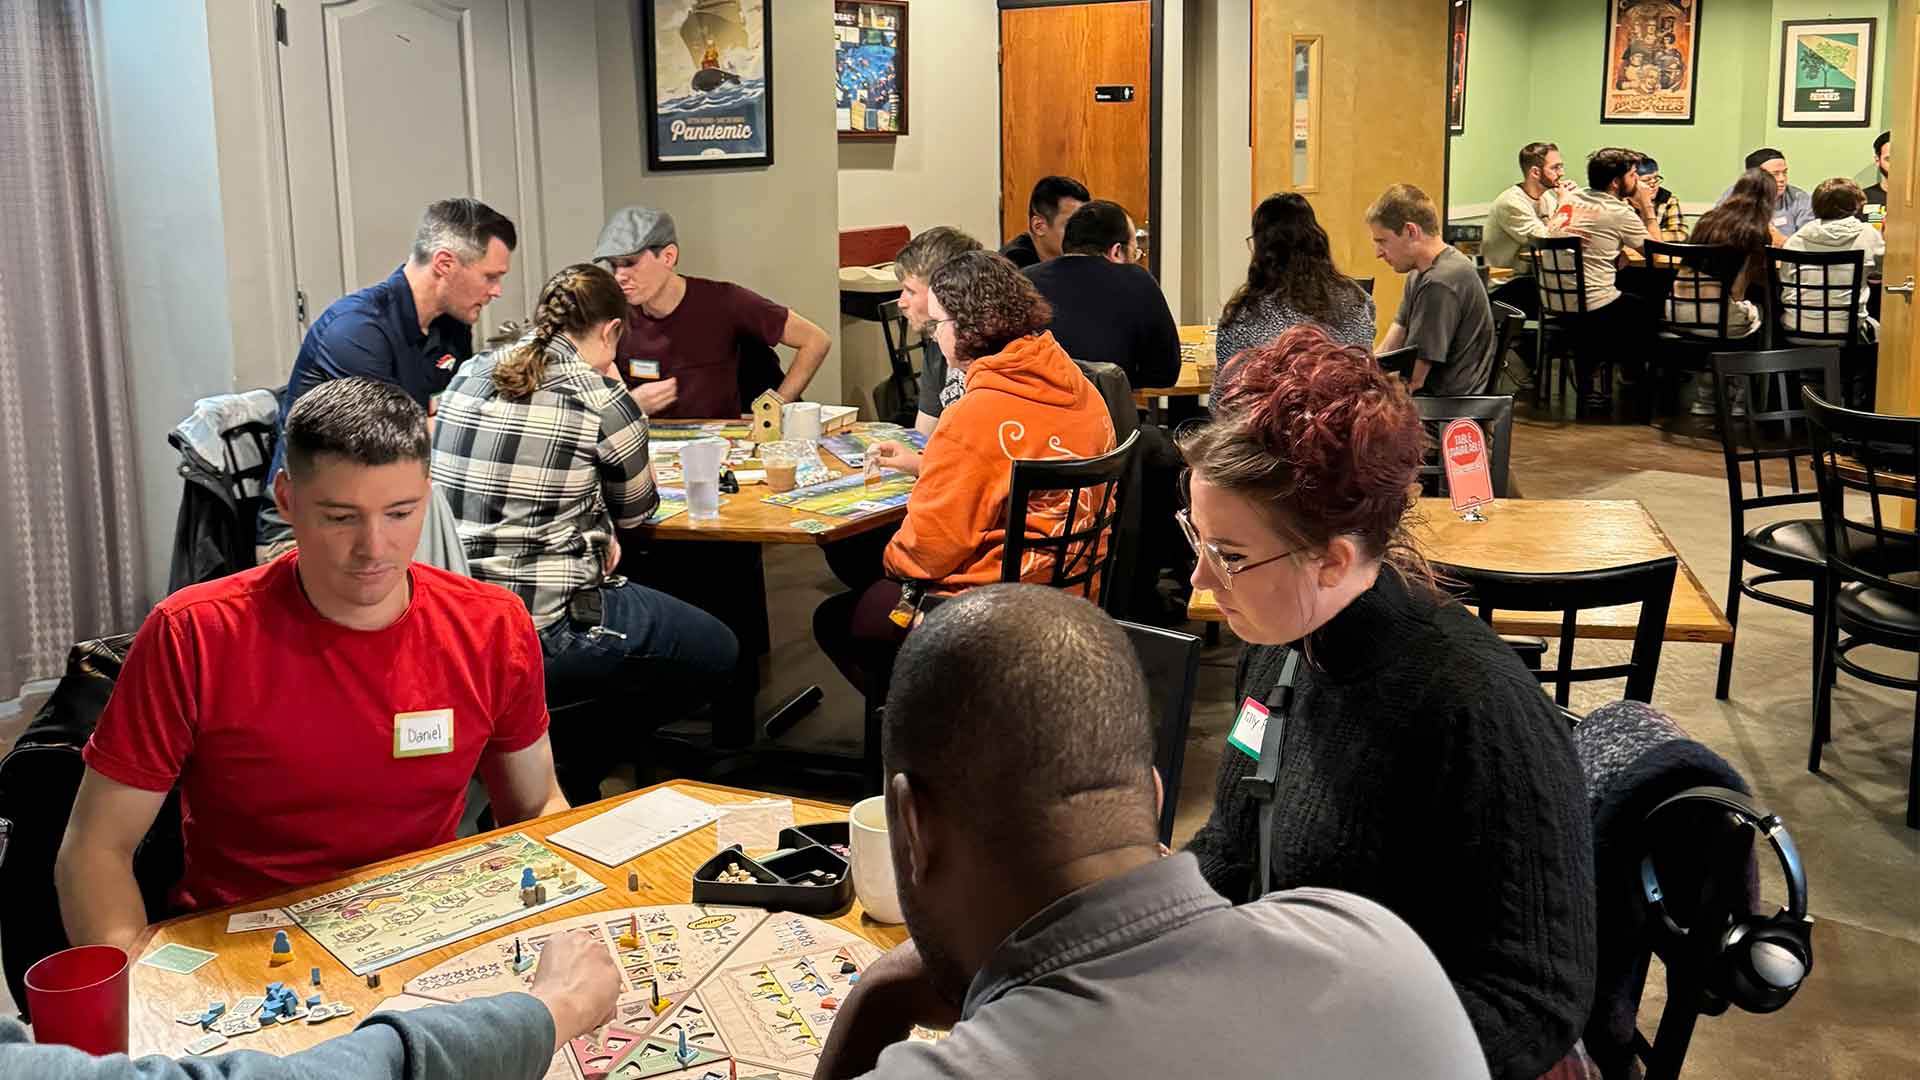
<point x="1457" y="66"/>
<point x="1826" y="73"/>
<point x="1650" y="71"/>
<point x="707" y="100"/>
<point x="870" y="68"/>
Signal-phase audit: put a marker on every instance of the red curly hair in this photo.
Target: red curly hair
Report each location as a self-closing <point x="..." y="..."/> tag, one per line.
<point x="1319" y="435"/>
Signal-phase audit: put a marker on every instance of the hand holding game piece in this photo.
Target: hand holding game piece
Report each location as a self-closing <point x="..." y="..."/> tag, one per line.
<point x="894" y="455"/>
<point x="578" y="983"/>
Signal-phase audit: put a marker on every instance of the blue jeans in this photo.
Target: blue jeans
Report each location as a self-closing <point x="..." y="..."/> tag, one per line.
<point x="668" y="656"/>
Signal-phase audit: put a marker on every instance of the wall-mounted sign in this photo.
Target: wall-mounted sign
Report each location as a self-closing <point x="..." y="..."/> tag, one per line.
<point x="1113" y="93"/>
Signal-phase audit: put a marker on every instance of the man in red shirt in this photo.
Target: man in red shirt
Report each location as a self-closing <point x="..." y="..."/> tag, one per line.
<point x="323" y="711"/>
<point x="681" y="352"/>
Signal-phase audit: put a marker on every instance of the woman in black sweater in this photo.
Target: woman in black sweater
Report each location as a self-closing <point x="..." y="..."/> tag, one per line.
<point x="1418" y="762"/>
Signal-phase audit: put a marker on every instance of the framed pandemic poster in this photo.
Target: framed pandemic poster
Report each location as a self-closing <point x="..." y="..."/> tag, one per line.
<point x="1826" y="73"/>
<point x="707" y="101"/>
<point x="870" y="68"/>
<point x="1457" y="66"/>
<point x="1650" y="70"/>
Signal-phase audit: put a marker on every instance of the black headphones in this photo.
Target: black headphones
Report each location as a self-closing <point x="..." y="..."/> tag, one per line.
<point x="1761" y="960"/>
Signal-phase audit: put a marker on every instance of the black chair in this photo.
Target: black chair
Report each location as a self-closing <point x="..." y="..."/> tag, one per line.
<point x="1696" y="318"/>
<point x="903" y="348"/>
<point x="1560" y="274"/>
<point x="1495" y="414"/>
<point x="1873" y="594"/>
<point x="1817" y="298"/>
<point x="1171" y="661"/>
<point x="1398" y="361"/>
<point x="1090" y="495"/>
<point x="1649" y="584"/>
<point x="1787" y="550"/>
<point x="1508" y="321"/>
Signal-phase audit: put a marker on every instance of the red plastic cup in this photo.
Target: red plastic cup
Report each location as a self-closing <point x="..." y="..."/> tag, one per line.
<point x="78" y="998"/>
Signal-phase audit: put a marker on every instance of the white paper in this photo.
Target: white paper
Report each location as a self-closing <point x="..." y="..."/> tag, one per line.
<point x="755" y="825"/>
<point x="636" y="826"/>
<point x="242" y="921"/>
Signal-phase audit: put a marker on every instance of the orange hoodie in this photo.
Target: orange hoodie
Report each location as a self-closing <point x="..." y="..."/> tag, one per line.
<point x="1029" y="401"/>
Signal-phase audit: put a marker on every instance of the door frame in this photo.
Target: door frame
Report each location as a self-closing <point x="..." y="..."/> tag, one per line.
<point x="1155" y="122"/>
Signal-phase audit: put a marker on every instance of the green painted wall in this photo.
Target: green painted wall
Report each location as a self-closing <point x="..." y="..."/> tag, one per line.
<point x="1735" y="111"/>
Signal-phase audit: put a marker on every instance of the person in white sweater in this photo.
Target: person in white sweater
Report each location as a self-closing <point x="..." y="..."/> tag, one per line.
<point x="1804" y="306"/>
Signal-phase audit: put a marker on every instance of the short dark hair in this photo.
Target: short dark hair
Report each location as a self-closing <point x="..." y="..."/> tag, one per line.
<point x="1880" y="143"/>
<point x="463" y="226"/>
<point x="1837" y="198"/>
<point x="927" y="252"/>
<point x="1763" y="155"/>
<point x="1534" y="156"/>
<point x="1096" y="227"/>
<point x="1608" y="164"/>
<point x="990" y="302"/>
<point x="1018" y="704"/>
<point x="1045" y="200"/>
<point x="363" y="421"/>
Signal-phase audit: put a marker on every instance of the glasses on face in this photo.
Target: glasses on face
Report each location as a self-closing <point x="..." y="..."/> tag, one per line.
<point x="1219" y="563"/>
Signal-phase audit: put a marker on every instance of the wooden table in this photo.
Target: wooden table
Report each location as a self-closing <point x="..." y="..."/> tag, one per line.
<point x="1550" y="536"/>
<point x="745" y="519"/>
<point x="1196" y="375"/>
<point x="666" y="876"/>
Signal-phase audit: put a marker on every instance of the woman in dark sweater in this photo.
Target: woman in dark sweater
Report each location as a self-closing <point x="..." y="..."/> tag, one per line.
<point x="1419" y="763"/>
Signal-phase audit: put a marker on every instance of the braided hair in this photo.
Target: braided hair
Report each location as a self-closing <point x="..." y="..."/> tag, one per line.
<point x="573" y="301"/>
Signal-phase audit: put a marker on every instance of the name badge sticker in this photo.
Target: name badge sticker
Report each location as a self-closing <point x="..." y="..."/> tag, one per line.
<point x="644" y="369"/>
<point x="419" y="734"/>
<point x="1249" y="728"/>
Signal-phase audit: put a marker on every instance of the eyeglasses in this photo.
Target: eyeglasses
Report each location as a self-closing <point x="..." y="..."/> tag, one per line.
<point x="1216" y="559"/>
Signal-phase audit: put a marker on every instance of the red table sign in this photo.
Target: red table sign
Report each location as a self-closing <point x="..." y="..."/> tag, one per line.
<point x="1463" y="450"/>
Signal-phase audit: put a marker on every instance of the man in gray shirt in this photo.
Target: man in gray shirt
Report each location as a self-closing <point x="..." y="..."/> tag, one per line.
<point x="1048" y="931"/>
<point x="1444" y="312"/>
<point x="504" y="1037"/>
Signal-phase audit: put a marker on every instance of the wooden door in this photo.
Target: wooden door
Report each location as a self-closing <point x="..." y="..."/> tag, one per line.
<point x="391" y="105"/>
<point x="1053" y="60"/>
<point x="1378" y="68"/>
<point x="1897" y="390"/>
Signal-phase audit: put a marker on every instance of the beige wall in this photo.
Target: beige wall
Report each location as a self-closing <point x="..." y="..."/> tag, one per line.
<point x="770" y="229"/>
<point x="947" y="171"/>
<point x="1219" y="198"/>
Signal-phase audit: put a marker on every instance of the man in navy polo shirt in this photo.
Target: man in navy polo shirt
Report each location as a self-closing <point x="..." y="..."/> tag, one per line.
<point x="411" y="330"/>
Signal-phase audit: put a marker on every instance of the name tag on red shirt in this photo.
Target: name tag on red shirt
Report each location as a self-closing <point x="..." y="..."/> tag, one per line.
<point x="418" y="734"/>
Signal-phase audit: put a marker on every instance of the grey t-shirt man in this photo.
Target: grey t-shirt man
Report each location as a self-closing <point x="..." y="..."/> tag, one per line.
<point x="1449" y="321"/>
<point x="1152" y="973"/>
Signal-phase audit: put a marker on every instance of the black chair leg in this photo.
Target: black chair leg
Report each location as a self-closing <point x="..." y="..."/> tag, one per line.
<point x="1824" y="673"/>
<point x="1913" y="770"/>
<point x="1733" y="621"/>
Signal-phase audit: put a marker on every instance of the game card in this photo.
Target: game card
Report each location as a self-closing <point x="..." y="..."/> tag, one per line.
<point x="178" y="959"/>
<point x="242" y="921"/>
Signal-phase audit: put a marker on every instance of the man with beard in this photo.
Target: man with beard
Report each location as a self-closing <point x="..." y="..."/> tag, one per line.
<point x="1047" y="929"/>
<point x="681" y="353"/>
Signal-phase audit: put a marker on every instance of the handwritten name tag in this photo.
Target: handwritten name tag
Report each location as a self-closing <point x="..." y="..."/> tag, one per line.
<point x="417" y="734"/>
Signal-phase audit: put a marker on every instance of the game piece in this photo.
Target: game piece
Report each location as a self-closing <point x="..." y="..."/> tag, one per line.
<point x="282" y="950"/>
<point x="205" y="1043"/>
<point x="373" y="981"/>
<point x="630" y="939"/>
<point x="684" y="1053"/>
<point x="381" y="921"/>
<point x="521" y="962"/>
<point x="570" y="877"/>
<point x="633" y="881"/>
<point x="848" y="968"/>
<point x="829" y="1003"/>
<point x="313" y="1000"/>
<point x="539" y="895"/>
<point x="316" y="976"/>
<point x="853" y="978"/>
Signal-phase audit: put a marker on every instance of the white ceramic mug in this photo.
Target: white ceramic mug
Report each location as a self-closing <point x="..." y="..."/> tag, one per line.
<point x="800" y="420"/>
<point x="873" y="861"/>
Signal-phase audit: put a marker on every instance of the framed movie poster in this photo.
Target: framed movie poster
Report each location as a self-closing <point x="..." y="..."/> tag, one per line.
<point x="707" y="101"/>
<point x="1457" y="66"/>
<point x="870" y="68"/>
<point x="1649" y="71"/>
<point x="1826" y="73"/>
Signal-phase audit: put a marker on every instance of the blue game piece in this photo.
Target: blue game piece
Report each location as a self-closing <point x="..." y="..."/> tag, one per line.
<point x="683" y="1053"/>
<point x="274" y="988"/>
<point x="280" y="942"/>
<point x="215" y="1008"/>
<point x="316" y="976"/>
<point x="526" y="877"/>
<point x="313" y="1001"/>
<point x="854" y="978"/>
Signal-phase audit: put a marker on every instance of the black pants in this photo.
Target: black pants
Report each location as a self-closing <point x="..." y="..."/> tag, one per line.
<point x="855" y="631"/>
<point x="1622" y="331"/>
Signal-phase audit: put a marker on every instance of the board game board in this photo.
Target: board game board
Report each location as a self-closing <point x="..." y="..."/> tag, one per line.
<point x="849" y="496"/>
<point x="389" y="918"/>
<point x="760" y="988"/>
<point x="680" y="431"/>
<point x="851" y="445"/>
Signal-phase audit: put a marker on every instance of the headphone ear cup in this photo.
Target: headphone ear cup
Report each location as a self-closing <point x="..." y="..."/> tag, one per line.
<point x="1763" y="963"/>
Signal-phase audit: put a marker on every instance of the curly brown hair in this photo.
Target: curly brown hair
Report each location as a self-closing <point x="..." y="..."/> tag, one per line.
<point x="990" y="302"/>
<point x="578" y="298"/>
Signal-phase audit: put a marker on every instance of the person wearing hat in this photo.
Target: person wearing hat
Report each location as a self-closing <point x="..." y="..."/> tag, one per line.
<point x="1792" y="206"/>
<point x="680" y="353"/>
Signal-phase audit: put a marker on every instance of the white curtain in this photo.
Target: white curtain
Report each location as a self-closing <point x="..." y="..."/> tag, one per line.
<point x="70" y="565"/>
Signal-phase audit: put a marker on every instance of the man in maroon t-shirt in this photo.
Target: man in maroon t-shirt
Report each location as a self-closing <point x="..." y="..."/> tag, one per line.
<point x="681" y="352"/>
<point x="323" y="711"/>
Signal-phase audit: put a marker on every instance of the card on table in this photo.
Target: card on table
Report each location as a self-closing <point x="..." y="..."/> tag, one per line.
<point x="179" y="959"/>
<point x="242" y="921"/>
<point x="206" y="1042"/>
